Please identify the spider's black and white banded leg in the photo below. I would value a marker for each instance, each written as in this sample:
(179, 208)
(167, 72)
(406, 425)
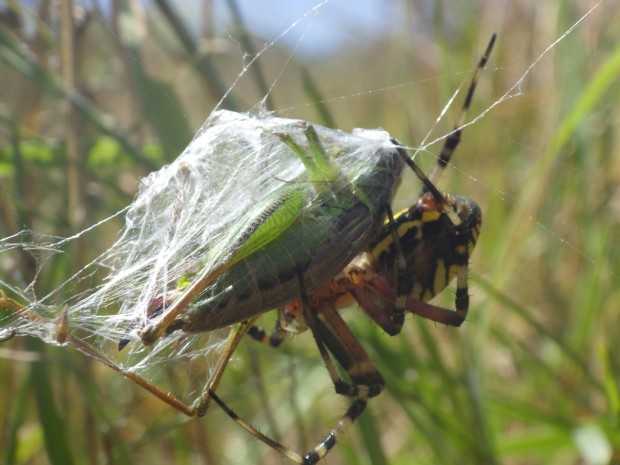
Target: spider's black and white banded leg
(331, 331)
(402, 283)
(392, 318)
(463, 240)
(454, 138)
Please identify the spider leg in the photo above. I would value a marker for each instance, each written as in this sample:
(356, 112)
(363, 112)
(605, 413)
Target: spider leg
(355, 280)
(462, 270)
(454, 138)
(397, 316)
(332, 334)
(379, 287)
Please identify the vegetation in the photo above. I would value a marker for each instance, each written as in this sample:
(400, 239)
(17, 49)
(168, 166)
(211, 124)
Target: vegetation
(533, 377)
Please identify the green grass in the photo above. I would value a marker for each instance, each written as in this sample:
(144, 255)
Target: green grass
(533, 377)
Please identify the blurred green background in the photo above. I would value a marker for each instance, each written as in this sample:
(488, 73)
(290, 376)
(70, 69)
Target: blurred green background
(533, 377)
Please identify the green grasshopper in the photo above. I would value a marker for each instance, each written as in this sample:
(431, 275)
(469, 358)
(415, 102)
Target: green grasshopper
(297, 231)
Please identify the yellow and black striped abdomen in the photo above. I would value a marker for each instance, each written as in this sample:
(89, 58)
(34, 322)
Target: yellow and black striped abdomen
(432, 245)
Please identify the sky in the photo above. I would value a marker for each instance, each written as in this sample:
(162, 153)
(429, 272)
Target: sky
(316, 31)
